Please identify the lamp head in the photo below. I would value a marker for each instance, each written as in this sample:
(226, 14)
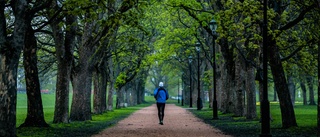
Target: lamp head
(190, 59)
(213, 25)
(198, 46)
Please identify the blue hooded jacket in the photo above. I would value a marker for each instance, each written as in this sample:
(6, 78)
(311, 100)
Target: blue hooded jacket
(162, 96)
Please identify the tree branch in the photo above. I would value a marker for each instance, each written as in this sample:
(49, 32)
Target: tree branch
(298, 19)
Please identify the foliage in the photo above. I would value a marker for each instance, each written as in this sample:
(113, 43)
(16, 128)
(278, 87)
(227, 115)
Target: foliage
(161, 34)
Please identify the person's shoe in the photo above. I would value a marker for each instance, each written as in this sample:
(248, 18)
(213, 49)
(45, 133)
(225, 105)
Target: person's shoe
(161, 123)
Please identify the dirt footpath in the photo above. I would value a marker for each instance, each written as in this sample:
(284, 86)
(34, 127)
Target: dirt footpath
(178, 122)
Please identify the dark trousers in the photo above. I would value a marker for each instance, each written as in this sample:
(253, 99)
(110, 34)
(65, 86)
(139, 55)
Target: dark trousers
(161, 107)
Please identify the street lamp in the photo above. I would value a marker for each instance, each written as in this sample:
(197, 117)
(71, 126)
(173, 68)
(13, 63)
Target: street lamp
(190, 61)
(265, 104)
(213, 26)
(182, 94)
(178, 91)
(199, 101)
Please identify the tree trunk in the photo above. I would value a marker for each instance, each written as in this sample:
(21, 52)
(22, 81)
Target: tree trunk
(225, 78)
(311, 91)
(226, 90)
(100, 87)
(110, 96)
(8, 91)
(140, 90)
(292, 89)
(275, 98)
(9, 55)
(64, 47)
(251, 93)
(82, 79)
(260, 94)
(35, 116)
(141, 86)
(134, 92)
(120, 97)
(287, 111)
(81, 100)
(304, 93)
(127, 96)
(210, 94)
(111, 84)
(239, 85)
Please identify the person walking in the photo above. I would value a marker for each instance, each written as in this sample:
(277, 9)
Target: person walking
(161, 95)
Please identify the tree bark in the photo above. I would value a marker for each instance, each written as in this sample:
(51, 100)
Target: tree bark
(111, 80)
(225, 78)
(311, 91)
(64, 47)
(10, 50)
(99, 94)
(120, 98)
(141, 86)
(140, 90)
(35, 115)
(8, 91)
(81, 100)
(110, 96)
(292, 89)
(287, 111)
(304, 93)
(275, 98)
(251, 93)
(82, 78)
(239, 85)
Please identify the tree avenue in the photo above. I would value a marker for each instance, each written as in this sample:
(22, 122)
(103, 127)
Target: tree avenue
(122, 49)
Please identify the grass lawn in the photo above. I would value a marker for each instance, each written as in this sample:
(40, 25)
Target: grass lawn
(79, 129)
(306, 117)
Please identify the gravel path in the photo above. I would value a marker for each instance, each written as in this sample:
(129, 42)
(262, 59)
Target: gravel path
(178, 122)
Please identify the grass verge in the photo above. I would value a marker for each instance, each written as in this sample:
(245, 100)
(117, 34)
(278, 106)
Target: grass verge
(78, 129)
(306, 117)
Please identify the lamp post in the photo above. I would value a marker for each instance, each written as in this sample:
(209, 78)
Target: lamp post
(318, 122)
(213, 26)
(182, 94)
(265, 106)
(190, 61)
(199, 101)
(178, 91)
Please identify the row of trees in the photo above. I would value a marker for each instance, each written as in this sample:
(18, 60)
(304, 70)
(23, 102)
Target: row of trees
(117, 44)
(82, 42)
(293, 39)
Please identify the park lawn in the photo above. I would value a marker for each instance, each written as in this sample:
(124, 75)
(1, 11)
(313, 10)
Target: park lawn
(306, 117)
(87, 128)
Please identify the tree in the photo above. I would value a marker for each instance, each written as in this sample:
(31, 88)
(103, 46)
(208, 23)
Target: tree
(100, 87)
(65, 41)
(35, 115)
(287, 111)
(94, 31)
(11, 45)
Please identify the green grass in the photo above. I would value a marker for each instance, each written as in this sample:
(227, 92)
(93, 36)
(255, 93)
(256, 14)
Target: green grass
(79, 129)
(306, 117)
